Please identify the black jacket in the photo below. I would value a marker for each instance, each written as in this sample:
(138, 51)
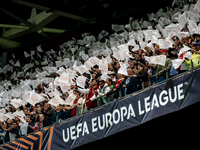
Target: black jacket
(131, 86)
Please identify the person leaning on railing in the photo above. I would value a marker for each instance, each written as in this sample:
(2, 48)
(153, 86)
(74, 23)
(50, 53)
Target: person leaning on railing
(95, 85)
(5, 131)
(128, 85)
(40, 124)
(195, 58)
(49, 113)
(110, 94)
(31, 124)
(101, 92)
(15, 130)
(142, 75)
(120, 78)
(76, 102)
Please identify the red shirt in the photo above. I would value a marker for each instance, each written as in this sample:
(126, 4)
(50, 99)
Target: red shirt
(91, 104)
(36, 126)
(118, 82)
(73, 112)
(76, 100)
(91, 92)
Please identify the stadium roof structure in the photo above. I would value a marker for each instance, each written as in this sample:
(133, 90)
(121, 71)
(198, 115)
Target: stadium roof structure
(24, 21)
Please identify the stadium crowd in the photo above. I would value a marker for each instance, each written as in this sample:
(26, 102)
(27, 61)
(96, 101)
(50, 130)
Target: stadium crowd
(56, 85)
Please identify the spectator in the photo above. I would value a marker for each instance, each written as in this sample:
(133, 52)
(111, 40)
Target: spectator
(77, 101)
(132, 64)
(128, 84)
(113, 77)
(90, 92)
(120, 79)
(17, 120)
(156, 49)
(112, 85)
(39, 125)
(194, 60)
(142, 60)
(142, 75)
(31, 125)
(162, 70)
(101, 92)
(151, 73)
(15, 129)
(6, 129)
(68, 111)
(49, 113)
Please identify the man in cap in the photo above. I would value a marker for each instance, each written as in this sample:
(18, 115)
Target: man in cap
(196, 46)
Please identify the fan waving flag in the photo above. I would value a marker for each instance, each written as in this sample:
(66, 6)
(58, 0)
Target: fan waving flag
(159, 59)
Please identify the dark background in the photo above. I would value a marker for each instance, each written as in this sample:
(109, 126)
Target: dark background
(103, 18)
(177, 130)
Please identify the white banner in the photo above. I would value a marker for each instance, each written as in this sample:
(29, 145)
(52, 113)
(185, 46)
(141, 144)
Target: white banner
(160, 59)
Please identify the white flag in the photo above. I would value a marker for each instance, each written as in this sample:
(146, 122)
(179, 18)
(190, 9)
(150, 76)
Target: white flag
(103, 66)
(2, 117)
(131, 42)
(81, 69)
(26, 54)
(136, 48)
(183, 50)
(81, 81)
(2, 111)
(159, 59)
(94, 61)
(35, 99)
(64, 87)
(148, 59)
(58, 63)
(52, 70)
(23, 128)
(123, 69)
(64, 78)
(39, 49)
(164, 44)
(108, 59)
(15, 93)
(104, 76)
(16, 103)
(182, 20)
(118, 55)
(177, 62)
(70, 99)
(56, 101)
(8, 115)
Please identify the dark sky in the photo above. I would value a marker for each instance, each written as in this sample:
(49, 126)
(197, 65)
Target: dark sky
(124, 10)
